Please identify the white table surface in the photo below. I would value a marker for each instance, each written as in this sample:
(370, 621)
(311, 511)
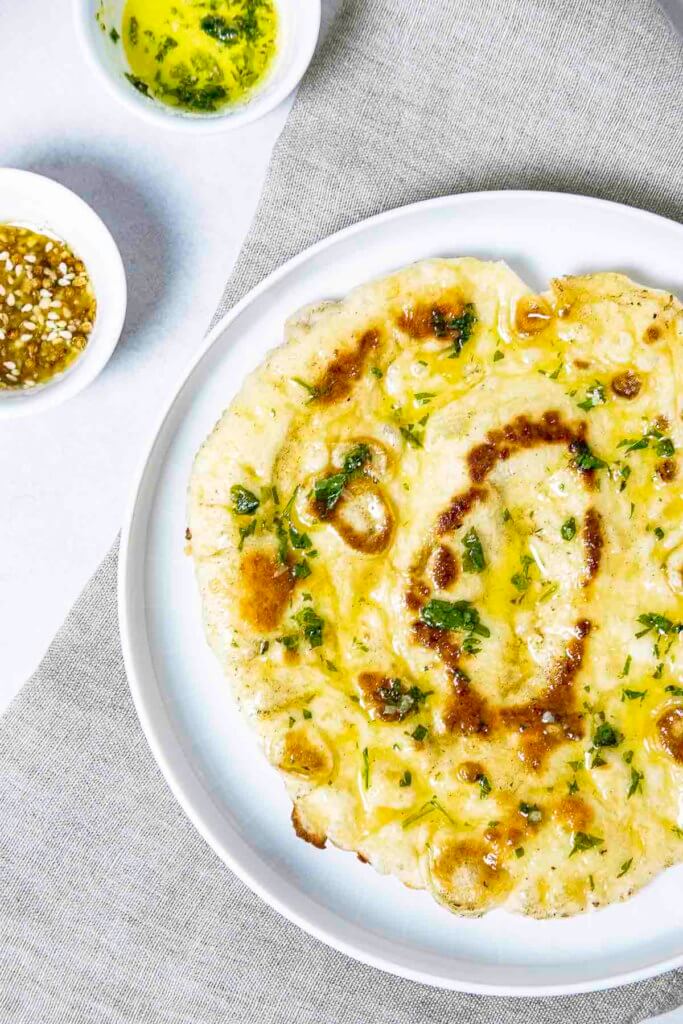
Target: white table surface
(179, 209)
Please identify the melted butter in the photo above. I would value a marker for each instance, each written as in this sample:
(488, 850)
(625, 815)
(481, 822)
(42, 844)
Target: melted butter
(199, 55)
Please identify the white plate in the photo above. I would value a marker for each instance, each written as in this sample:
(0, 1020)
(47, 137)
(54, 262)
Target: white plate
(208, 754)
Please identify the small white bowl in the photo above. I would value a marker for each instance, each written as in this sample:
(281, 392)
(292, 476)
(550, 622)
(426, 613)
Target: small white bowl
(299, 25)
(32, 201)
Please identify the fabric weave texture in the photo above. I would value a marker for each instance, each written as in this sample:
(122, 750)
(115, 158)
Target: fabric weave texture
(112, 908)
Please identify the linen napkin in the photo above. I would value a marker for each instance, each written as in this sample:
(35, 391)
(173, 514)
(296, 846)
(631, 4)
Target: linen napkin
(112, 908)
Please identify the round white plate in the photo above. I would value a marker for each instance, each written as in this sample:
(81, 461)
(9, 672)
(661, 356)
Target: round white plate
(208, 754)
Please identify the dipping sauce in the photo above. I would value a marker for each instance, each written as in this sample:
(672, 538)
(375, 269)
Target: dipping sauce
(198, 55)
(47, 307)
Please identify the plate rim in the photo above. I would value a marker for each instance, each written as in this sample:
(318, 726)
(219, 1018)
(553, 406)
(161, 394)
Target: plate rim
(135, 673)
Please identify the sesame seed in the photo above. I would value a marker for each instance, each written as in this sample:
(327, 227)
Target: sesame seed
(33, 288)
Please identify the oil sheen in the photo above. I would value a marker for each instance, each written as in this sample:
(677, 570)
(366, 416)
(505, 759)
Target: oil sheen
(199, 55)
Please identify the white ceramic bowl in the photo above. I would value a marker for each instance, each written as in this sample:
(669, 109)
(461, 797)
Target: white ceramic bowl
(30, 200)
(299, 25)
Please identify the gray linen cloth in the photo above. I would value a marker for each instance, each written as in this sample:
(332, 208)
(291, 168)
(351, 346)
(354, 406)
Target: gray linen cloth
(112, 909)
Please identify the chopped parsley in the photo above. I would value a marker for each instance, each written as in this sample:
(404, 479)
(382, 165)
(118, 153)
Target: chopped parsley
(607, 736)
(634, 695)
(244, 502)
(136, 82)
(328, 490)
(299, 540)
(595, 395)
(457, 328)
(658, 532)
(219, 28)
(584, 458)
(313, 390)
(519, 852)
(311, 626)
(636, 783)
(424, 397)
(532, 812)
(485, 786)
(356, 459)
(406, 779)
(412, 434)
(427, 808)
(626, 866)
(473, 559)
(306, 713)
(376, 372)
(419, 733)
(282, 541)
(624, 473)
(627, 667)
(568, 529)
(663, 446)
(634, 444)
(399, 701)
(290, 641)
(460, 615)
(167, 45)
(675, 691)
(584, 841)
(366, 768)
(660, 623)
(246, 531)
(522, 580)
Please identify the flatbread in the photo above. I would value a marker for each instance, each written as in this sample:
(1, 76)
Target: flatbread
(439, 548)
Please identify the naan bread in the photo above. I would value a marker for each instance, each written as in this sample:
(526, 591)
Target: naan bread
(439, 546)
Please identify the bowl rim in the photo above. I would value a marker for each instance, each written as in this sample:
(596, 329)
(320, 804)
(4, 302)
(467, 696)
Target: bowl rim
(230, 118)
(15, 404)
